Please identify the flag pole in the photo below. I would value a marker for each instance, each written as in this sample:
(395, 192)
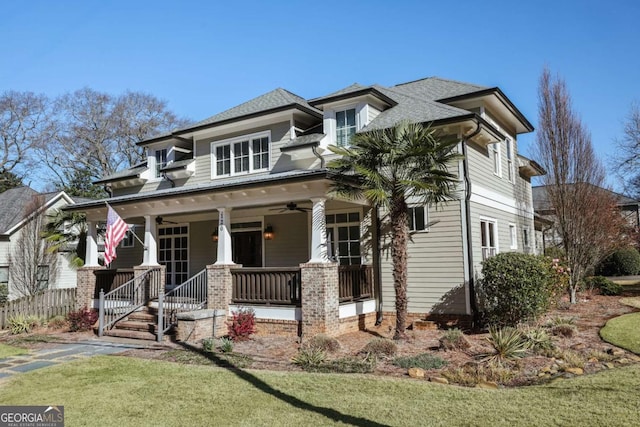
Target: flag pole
(130, 229)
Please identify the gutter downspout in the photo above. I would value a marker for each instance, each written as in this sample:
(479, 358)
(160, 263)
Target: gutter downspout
(467, 201)
(166, 176)
(107, 189)
(377, 279)
(314, 149)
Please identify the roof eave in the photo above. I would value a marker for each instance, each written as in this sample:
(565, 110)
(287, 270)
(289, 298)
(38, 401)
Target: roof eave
(366, 91)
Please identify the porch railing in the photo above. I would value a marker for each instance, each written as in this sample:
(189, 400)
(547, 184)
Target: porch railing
(107, 280)
(190, 295)
(355, 282)
(127, 298)
(278, 286)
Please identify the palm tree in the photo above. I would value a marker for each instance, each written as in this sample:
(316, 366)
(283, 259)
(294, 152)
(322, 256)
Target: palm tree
(388, 168)
(67, 231)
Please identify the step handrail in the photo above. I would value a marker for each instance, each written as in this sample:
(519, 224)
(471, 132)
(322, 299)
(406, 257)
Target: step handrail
(188, 296)
(127, 298)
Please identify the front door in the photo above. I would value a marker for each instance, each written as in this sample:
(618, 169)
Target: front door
(247, 248)
(173, 253)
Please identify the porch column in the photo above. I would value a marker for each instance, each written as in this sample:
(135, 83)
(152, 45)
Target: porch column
(219, 295)
(224, 237)
(320, 299)
(91, 255)
(150, 241)
(318, 232)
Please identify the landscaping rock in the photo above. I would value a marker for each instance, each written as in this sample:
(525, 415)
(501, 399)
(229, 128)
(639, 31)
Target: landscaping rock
(579, 346)
(574, 371)
(616, 352)
(416, 372)
(439, 380)
(593, 360)
(489, 385)
(624, 361)
(424, 325)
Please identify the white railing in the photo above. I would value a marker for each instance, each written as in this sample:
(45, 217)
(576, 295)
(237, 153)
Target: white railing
(190, 295)
(127, 298)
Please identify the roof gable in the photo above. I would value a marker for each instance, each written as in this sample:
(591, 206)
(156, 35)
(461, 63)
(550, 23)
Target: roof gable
(15, 202)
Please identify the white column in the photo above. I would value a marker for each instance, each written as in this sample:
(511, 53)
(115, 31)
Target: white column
(91, 256)
(224, 237)
(150, 241)
(318, 232)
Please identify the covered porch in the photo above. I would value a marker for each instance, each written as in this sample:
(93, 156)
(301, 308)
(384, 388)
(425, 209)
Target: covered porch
(297, 257)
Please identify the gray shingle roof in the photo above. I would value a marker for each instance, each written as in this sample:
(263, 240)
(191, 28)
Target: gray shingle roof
(277, 98)
(132, 172)
(435, 88)
(541, 198)
(303, 140)
(13, 204)
(180, 164)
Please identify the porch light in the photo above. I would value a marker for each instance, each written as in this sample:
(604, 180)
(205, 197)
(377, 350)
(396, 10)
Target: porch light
(268, 233)
(214, 236)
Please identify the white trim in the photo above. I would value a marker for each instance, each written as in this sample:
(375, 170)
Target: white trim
(495, 150)
(511, 167)
(425, 208)
(230, 141)
(271, 313)
(173, 248)
(356, 308)
(498, 201)
(496, 233)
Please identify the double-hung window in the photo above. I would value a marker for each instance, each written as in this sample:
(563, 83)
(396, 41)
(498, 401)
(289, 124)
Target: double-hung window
(510, 163)
(161, 161)
(343, 237)
(345, 126)
(418, 218)
(240, 155)
(494, 153)
(42, 277)
(488, 237)
(513, 236)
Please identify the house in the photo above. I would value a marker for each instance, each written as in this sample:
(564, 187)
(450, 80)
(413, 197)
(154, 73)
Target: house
(549, 236)
(22, 214)
(240, 203)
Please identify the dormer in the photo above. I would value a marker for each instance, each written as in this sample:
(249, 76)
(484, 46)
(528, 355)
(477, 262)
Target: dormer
(347, 111)
(168, 157)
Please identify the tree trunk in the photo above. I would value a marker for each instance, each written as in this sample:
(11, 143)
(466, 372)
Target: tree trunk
(400, 234)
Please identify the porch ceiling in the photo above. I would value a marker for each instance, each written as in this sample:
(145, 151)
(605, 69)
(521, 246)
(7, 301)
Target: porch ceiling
(189, 202)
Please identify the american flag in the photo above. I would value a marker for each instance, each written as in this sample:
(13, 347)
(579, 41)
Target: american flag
(116, 230)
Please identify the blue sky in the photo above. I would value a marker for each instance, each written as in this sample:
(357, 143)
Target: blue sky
(203, 57)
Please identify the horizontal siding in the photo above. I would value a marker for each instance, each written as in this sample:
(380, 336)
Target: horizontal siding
(202, 249)
(435, 267)
(290, 246)
(130, 257)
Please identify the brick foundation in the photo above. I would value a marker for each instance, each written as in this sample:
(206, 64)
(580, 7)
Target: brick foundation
(320, 300)
(357, 323)
(197, 325)
(266, 327)
(86, 286)
(443, 321)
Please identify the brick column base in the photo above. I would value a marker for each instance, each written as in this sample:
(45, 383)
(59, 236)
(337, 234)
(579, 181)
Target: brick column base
(320, 300)
(86, 286)
(219, 294)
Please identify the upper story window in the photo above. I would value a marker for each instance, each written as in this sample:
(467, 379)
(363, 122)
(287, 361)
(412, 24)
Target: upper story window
(510, 160)
(240, 155)
(161, 161)
(418, 218)
(494, 153)
(128, 241)
(488, 237)
(345, 126)
(513, 236)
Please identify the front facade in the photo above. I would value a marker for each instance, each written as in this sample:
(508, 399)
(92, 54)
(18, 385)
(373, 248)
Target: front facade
(249, 189)
(22, 209)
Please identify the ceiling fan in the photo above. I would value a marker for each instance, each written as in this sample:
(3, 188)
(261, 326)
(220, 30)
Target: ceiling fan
(291, 206)
(160, 221)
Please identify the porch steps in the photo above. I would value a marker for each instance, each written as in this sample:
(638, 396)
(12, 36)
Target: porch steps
(140, 325)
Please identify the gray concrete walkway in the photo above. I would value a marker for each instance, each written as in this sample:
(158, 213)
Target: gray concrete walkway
(61, 353)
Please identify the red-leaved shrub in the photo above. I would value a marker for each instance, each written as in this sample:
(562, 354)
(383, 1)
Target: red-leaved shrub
(82, 320)
(243, 324)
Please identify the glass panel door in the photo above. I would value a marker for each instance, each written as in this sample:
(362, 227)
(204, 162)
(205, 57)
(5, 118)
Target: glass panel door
(173, 253)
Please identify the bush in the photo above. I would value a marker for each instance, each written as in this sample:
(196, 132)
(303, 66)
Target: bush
(324, 342)
(82, 320)
(562, 326)
(347, 365)
(424, 361)
(23, 324)
(209, 344)
(242, 325)
(508, 343)
(603, 285)
(554, 253)
(454, 339)
(226, 345)
(4, 294)
(515, 287)
(623, 262)
(309, 358)
(57, 322)
(539, 339)
(380, 347)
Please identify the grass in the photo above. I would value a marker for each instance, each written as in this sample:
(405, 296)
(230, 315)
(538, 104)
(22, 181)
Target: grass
(623, 331)
(8, 351)
(121, 391)
(631, 301)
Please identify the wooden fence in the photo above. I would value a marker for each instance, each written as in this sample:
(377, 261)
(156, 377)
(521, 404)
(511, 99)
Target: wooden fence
(50, 303)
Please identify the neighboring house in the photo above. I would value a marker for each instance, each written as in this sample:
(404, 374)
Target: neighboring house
(249, 186)
(18, 209)
(548, 234)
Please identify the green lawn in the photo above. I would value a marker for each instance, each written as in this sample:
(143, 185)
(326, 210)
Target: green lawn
(8, 351)
(121, 391)
(623, 331)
